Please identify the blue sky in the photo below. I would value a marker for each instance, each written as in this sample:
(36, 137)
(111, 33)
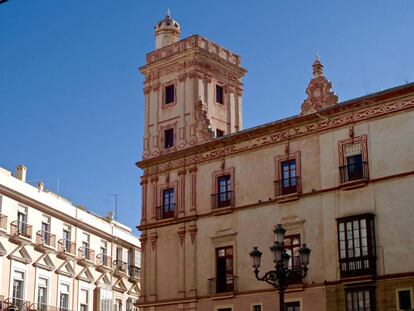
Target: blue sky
(71, 102)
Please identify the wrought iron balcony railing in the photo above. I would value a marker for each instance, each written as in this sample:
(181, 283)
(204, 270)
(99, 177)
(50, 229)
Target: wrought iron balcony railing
(86, 253)
(353, 172)
(287, 186)
(165, 211)
(104, 260)
(22, 305)
(19, 228)
(67, 246)
(222, 284)
(45, 238)
(120, 266)
(45, 307)
(3, 221)
(222, 199)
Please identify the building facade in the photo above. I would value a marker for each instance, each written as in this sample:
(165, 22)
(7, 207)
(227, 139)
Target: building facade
(338, 176)
(56, 256)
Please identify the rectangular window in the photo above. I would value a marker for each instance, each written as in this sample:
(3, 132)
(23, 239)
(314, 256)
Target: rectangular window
(224, 191)
(18, 289)
(105, 299)
(66, 239)
(22, 223)
(360, 299)
(42, 293)
(292, 246)
(224, 270)
(292, 306)
(405, 302)
(219, 133)
(356, 238)
(84, 299)
(118, 304)
(64, 297)
(168, 203)
(169, 94)
(257, 308)
(45, 229)
(169, 138)
(354, 167)
(85, 245)
(219, 94)
(289, 180)
(119, 253)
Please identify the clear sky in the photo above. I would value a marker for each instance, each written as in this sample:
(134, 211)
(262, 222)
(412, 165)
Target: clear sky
(71, 101)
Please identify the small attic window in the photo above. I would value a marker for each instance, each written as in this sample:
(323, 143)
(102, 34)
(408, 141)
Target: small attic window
(168, 23)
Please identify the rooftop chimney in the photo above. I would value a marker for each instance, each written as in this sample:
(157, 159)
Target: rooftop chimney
(40, 186)
(21, 172)
(110, 216)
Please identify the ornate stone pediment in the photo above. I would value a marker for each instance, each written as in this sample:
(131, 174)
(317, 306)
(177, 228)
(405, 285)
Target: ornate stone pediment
(320, 94)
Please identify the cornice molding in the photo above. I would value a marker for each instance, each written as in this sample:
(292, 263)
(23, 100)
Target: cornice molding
(274, 133)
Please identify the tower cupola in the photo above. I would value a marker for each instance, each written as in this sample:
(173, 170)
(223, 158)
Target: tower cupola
(167, 32)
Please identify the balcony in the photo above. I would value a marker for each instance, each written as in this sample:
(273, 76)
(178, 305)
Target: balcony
(3, 223)
(226, 285)
(86, 256)
(45, 241)
(353, 175)
(20, 232)
(287, 189)
(120, 268)
(66, 248)
(44, 307)
(16, 304)
(359, 266)
(165, 211)
(134, 274)
(222, 202)
(103, 263)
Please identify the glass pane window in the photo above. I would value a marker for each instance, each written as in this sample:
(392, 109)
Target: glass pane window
(224, 191)
(219, 94)
(18, 288)
(404, 300)
(354, 167)
(168, 202)
(224, 269)
(169, 94)
(168, 138)
(42, 291)
(360, 299)
(289, 180)
(292, 306)
(356, 245)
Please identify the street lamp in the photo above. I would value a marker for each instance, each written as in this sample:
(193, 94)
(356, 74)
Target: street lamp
(282, 275)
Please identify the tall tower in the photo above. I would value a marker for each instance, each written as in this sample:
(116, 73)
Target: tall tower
(193, 91)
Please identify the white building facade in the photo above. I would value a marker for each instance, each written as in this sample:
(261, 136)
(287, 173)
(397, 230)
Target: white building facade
(56, 256)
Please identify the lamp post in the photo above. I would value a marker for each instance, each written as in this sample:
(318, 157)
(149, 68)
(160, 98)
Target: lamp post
(282, 275)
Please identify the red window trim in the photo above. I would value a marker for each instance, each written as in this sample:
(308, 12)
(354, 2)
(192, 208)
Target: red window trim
(278, 170)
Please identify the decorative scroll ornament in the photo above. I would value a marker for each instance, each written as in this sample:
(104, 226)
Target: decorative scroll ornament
(320, 94)
(201, 115)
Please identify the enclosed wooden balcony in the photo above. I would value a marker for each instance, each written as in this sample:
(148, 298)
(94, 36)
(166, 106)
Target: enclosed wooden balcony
(20, 232)
(66, 248)
(134, 274)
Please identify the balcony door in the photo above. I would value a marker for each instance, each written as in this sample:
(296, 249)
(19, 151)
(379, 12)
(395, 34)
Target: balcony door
(168, 203)
(45, 231)
(42, 294)
(354, 167)
(224, 269)
(21, 222)
(288, 169)
(224, 191)
(18, 288)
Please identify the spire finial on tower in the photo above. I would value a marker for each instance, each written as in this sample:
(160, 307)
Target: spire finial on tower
(317, 66)
(319, 91)
(168, 14)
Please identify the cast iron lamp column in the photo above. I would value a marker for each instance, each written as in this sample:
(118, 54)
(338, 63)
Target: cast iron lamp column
(280, 277)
